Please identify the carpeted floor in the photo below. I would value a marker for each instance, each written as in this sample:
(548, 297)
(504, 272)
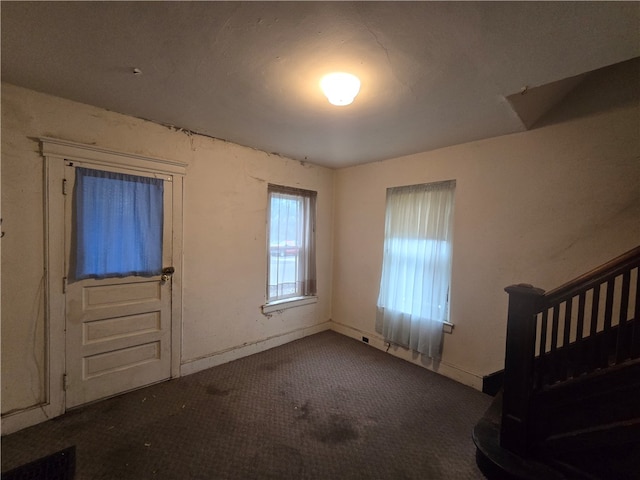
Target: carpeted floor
(324, 407)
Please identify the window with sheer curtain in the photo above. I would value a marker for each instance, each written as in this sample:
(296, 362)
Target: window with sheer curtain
(118, 224)
(413, 301)
(291, 231)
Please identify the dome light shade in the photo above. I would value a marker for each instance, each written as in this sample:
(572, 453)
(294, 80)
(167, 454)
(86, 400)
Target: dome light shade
(340, 88)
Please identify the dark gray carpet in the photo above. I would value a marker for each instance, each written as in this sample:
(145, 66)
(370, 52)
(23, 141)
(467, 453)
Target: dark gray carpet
(324, 407)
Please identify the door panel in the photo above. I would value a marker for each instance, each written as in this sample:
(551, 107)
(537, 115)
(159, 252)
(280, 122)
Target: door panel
(102, 296)
(113, 328)
(118, 330)
(122, 359)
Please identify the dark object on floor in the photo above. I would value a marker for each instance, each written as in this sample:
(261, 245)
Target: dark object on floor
(57, 466)
(492, 383)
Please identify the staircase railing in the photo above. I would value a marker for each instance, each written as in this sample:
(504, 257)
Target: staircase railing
(587, 325)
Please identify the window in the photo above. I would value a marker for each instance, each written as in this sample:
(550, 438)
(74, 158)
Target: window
(118, 224)
(291, 236)
(416, 269)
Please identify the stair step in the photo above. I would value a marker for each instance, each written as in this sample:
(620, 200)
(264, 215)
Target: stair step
(496, 462)
(614, 434)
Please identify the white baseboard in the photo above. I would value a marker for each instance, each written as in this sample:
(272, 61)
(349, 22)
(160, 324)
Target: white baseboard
(234, 353)
(28, 417)
(375, 340)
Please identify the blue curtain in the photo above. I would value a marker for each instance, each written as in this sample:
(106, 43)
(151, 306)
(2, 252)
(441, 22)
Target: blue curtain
(118, 224)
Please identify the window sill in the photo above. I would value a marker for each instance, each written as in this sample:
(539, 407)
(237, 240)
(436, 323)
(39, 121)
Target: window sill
(288, 303)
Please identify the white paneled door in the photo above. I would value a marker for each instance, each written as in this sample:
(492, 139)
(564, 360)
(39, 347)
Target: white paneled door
(118, 330)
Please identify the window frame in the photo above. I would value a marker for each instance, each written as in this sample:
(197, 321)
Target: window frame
(305, 277)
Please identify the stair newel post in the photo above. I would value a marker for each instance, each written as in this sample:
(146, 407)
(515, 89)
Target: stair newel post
(518, 369)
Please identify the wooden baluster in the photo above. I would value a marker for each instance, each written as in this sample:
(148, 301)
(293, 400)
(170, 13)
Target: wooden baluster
(580, 355)
(554, 373)
(635, 334)
(593, 330)
(542, 371)
(517, 424)
(622, 346)
(604, 346)
(566, 339)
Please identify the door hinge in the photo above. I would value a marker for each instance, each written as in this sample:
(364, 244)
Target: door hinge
(64, 186)
(65, 382)
(64, 284)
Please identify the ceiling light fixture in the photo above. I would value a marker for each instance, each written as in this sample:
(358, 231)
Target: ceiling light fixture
(340, 88)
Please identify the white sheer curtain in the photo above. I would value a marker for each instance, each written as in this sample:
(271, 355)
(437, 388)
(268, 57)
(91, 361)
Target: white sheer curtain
(416, 269)
(118, 224)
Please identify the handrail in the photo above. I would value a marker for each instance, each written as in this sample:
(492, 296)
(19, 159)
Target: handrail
(596, 276)
(566, 332)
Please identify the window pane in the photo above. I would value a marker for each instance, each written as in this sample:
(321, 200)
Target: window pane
(118, 224)
(285, 245)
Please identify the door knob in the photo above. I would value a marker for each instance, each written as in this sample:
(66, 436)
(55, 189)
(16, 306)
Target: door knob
(166, 273)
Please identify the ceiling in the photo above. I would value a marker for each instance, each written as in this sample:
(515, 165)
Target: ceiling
(433, 73)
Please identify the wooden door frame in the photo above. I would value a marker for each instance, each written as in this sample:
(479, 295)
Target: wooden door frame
(55, 153)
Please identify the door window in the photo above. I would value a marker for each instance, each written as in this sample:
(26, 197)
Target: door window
(118, 224)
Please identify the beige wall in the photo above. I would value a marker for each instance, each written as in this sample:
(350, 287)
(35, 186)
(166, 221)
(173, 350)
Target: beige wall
(224, 235)
(538, 207)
